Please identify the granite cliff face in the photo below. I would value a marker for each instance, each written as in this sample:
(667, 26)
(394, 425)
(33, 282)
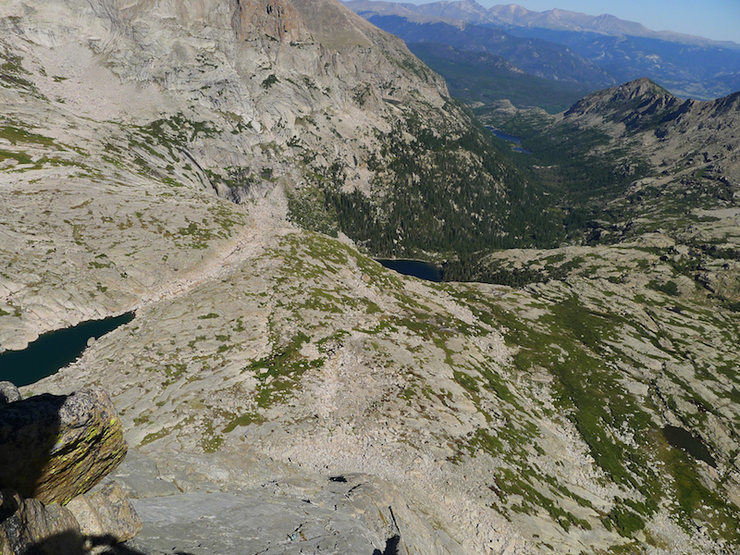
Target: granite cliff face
(212, 98)
(273, 72)
(274, 374)
(209, 96)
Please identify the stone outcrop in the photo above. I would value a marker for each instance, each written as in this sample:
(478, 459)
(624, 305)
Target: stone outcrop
(8, 393)
(276, 19)
(29, 526)
(55, 447)
(108, 512)
(209, 504)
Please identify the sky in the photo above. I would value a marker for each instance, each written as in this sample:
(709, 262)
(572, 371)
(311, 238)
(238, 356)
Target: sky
(714, 19)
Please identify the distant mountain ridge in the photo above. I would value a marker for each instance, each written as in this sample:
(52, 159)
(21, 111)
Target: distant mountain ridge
(689, 66)
(534, 56)
(555, 19)
(606, 24)
(481, 78)
(564, 19)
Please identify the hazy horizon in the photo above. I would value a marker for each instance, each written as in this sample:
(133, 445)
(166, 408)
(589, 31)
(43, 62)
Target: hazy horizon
(712, 19)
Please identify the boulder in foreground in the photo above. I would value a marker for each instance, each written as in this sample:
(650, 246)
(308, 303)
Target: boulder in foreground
(106, 513)
(29, 526)
(55, 447)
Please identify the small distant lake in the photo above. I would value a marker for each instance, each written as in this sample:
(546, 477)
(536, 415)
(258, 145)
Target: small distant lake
(416, 268)
(686, 441)
(54, 350)
(516, 146)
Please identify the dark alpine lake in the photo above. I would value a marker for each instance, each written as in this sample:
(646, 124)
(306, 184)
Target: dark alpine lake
(54, 350)
(416, 268)
(510, 138)
(685, 440)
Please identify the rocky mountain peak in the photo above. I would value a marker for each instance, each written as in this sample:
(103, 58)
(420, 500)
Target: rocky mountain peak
(641, 87)
(468, 5)
(466, 10)
(511, 10)
(728, 104)
(641, 97)
(665, 127)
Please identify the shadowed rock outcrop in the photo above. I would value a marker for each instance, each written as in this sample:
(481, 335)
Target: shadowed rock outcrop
(29, 526)
(54, 447)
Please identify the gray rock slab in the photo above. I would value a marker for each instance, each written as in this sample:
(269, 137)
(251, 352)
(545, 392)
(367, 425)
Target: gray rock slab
(139, 477)
(214, 523)
(28, 526)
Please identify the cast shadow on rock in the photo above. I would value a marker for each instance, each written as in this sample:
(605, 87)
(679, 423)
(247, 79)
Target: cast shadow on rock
(391, 546)
(53, 448)
(72, 543)
(29, 429)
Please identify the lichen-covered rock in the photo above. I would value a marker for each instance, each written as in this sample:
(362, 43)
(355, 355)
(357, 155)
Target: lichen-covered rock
(56, 447)
(8, 393)
(108, 512)
(29, 526)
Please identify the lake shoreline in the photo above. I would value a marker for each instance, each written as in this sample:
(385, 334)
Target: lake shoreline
(421, 269)
(56, 349)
